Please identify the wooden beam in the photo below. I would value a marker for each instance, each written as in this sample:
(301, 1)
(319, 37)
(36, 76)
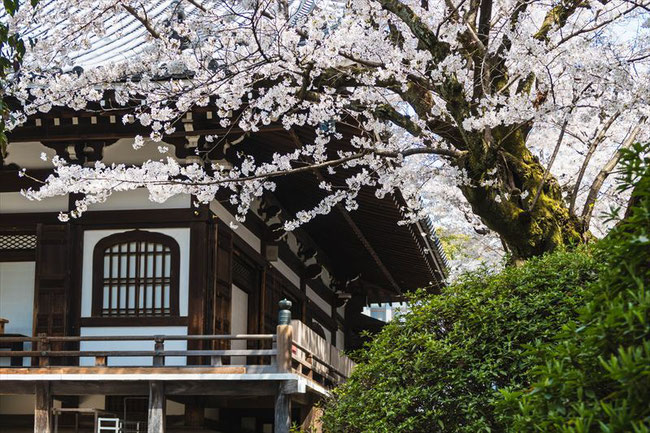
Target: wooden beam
(362, 238)
(355, 228)
(106, 131)
(99, 388)
(225, 388)
(43, 408)
(282, 419)
(156, 414)
(194, 412)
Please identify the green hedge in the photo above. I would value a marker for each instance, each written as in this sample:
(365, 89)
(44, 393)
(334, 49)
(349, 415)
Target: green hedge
(596, 376)
(439, 369)
(561, 344)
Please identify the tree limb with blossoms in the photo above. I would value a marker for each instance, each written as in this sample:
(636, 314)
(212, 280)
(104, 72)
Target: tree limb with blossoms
(521, 107)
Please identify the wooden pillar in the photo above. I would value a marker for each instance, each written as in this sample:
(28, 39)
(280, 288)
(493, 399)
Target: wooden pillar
(312, 419)
(43, 408)
(282, 422)
(284, 343)
(284, 335)
(284, 347)
(156, 415)
(194, 412)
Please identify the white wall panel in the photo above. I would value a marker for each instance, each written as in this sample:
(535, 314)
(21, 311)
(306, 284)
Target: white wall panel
(17, 300)
(340, 339)
(322, 303)
(15, 202)
(28, 155)
(222, 213)
(287, 272)
(238, 321)
(139, 199)
(122, 152)
(17, 296)
(133, 345)
(91, 237)
(92, 401)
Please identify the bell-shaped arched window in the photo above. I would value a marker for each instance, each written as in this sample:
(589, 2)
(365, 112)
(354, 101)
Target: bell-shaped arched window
(135, 274)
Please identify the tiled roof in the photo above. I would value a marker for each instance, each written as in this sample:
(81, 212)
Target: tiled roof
(127, 38)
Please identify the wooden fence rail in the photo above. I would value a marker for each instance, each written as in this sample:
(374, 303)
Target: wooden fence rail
(43, 351)
(295, 349)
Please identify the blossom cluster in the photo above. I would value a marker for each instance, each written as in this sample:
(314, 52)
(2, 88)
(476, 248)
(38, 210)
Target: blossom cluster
(317, 64)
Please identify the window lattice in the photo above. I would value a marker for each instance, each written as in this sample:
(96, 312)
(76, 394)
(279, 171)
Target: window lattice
(243, 274)
(17, 242)
(138, 277)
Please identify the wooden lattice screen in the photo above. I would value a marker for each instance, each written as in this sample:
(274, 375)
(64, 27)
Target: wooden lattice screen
(136, 275)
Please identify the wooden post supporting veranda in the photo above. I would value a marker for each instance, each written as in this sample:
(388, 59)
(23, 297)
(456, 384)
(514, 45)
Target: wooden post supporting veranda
(43, 408)
(284, 345)
(156, 414)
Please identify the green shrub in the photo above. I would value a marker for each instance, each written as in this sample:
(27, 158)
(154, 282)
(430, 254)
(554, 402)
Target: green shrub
(596, 376)
(439, 369)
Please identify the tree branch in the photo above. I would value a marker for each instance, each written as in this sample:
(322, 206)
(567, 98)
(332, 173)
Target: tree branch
(306, 168)
(590, 152)
(145, 22)
(607, 169)
(558, 16)
(550, 163)
(438, 49)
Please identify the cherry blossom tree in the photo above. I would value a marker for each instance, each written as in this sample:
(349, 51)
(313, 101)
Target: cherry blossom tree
(515, 111)
(12, 48)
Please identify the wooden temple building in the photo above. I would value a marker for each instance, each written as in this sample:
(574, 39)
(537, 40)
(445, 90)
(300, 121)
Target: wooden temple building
(152, 317)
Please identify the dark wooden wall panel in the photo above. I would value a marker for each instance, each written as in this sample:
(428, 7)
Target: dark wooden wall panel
(198, 281)
(52, 282)
(223, 282)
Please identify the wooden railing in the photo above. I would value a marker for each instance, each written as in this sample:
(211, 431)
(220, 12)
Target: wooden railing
(45, 354)
(294, 348)
(315, 358)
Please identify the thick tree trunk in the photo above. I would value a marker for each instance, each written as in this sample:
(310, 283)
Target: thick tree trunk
(528, 227)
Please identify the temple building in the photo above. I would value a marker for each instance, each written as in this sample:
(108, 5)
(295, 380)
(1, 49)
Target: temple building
(141, 316)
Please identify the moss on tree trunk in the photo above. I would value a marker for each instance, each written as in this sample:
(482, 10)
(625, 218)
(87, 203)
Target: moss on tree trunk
(528, 228)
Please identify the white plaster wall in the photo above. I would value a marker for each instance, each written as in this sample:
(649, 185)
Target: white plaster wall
(341, 311)
(17, 296)
(322, 303)
(92, 401)
(28, 155)
(222, 213)
(174, 408)
(15, 202)
(16, 404)
(122, 152)
(139, 199)
(17, 300)
(238, 321)
(21, 404)
(340, 339)
(287, 272)
(91, 237)
(133, 345)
